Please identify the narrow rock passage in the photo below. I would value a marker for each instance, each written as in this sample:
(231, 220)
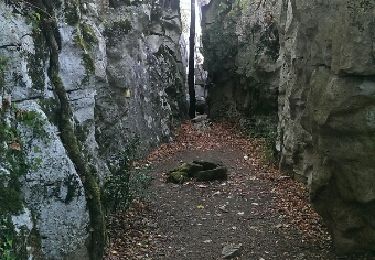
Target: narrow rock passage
(200, 219)
(258, 210)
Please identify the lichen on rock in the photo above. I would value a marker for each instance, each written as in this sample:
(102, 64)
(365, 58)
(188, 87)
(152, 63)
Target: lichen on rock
(325, 109)
(240, 48)
(321, 77)
(66, 101)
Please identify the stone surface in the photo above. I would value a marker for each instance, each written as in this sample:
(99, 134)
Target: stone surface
(120, 66)
(240, 50)
(326, 108)
(199, 170)
(231, 251)
(323, 83)
(52, 190)
(145, 95)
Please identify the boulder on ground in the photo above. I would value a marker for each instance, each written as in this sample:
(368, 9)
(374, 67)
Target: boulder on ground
(200, 170)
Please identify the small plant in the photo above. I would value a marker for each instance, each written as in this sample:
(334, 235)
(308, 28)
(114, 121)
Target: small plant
(139, 181)
(126, 182)
(263, 127)
(7, 251)
(12, 245)
(88, 33)
(271, 153)
(34, 121)
(116, 193)
(3, 64)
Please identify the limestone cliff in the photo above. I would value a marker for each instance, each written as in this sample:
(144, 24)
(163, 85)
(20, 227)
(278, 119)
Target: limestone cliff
(326, 112)
(323, 84)
(79, 81)
(240, 49)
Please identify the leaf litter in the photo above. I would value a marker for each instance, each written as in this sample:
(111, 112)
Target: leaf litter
(152, 229)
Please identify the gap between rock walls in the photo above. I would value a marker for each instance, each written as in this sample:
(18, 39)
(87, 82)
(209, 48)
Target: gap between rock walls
(90, 89)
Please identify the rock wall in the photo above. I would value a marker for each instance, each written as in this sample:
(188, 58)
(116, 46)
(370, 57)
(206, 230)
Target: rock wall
(78, 83)
(323, 83)
(326, 110)
(240, 50)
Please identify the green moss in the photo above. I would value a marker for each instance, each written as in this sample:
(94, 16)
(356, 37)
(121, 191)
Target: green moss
(89, 63)
(79, 41)
(7, 134)
(88, 33)
(3, 63)
(85, 37)
(90, 182)
(81, 37)
(34, 121)
(71, 12)
(82, 131)
(10, 199)
(3, 66)
(36, 164)
(36, 61)
(12, 244)
(14, 163)
(7, 236)
(49, 107)
(178, 177)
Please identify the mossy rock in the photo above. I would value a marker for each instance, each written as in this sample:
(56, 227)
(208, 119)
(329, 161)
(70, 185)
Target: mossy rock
(200, 170)
(178, 177)
(190, 168)
(217, 174)
(206, 165)
(184, 172)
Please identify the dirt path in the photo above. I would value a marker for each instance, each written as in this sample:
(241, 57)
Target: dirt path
(200, 219)
(258, 209)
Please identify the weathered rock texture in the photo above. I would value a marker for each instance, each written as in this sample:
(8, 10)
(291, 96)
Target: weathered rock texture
(327, 108)
(240, 51)
(326, 97)
(79, 81)
(200, 171)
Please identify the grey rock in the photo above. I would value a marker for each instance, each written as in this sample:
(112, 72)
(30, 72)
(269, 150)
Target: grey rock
(123, 83)
(325, 108)
(231, 251)
(61, 222)
(199, 119)
(240, 59)
(199, 170)
(323, 84)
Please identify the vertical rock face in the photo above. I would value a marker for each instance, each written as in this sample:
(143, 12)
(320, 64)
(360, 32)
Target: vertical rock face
(327, 102)
(145, 93)
(326, 96)
(78, 82)
(240, 48)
